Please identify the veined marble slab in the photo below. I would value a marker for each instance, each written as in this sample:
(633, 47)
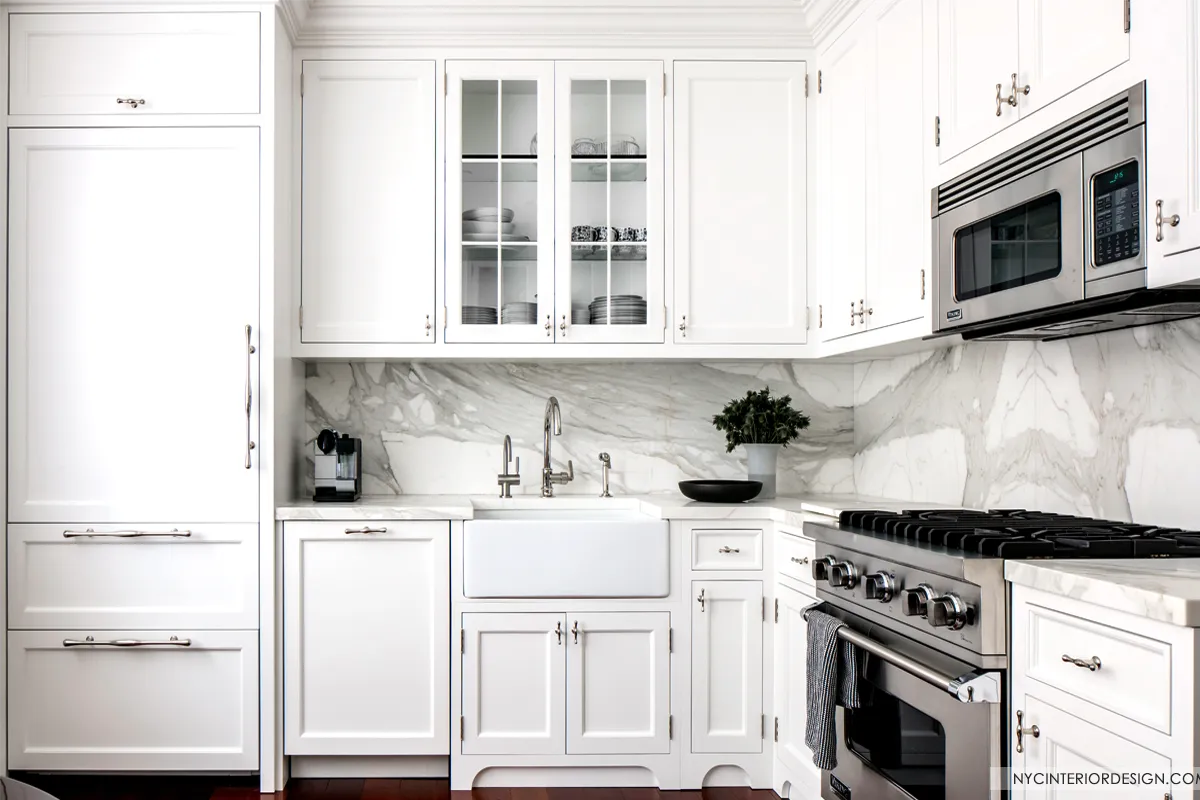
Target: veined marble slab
(1167, 590)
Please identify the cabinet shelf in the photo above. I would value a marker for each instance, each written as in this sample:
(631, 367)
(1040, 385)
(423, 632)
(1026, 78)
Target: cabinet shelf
(484, 252)
(598, 252)
(598, 170)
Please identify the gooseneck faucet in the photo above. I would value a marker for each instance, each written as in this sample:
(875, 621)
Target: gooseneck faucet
(552, 423)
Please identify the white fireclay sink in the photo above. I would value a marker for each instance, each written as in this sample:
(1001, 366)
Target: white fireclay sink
(558, 552)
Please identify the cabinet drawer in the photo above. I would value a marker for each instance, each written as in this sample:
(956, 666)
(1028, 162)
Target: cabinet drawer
(727, 548)
(143, 576)
(205, 63)
(793, 557)
(153, 707)
(1134, 676)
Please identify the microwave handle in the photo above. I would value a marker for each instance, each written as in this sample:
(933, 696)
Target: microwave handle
(973, 687)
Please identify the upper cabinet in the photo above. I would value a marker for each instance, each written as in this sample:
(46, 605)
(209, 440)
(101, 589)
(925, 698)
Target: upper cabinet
(160, 63)
(1004, 59)
(554, 201)
(368, 196)
(740, 211)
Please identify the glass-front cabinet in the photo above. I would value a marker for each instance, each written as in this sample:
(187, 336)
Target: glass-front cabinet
(554, 202)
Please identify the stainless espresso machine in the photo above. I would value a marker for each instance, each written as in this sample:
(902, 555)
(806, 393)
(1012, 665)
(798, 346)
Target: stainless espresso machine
(338, 467)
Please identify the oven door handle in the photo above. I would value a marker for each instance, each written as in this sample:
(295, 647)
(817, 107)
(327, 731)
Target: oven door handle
(971, 687)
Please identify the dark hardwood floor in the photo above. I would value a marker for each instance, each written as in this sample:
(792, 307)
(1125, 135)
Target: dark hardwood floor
(151, 788)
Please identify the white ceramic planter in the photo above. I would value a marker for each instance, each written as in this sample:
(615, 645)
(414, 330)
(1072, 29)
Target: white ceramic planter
(761, 465)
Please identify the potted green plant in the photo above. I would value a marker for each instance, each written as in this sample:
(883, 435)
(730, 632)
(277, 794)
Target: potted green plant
(763, 425)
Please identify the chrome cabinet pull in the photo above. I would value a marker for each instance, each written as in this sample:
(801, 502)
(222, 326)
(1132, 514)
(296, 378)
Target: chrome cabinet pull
(1012, 97)
(801, 561)
(1159, 219)
(1091, 664)
(174, 533)
(549, 326)
(999, 99)
(250, 350)
(562, 326)
(575, 631)
(728, 549)
(131, 102)
(851, 313)
(558, 632)
(1032, 730)
(428, 326)
(366, 530)
(683, 326)
(174, 641)
(700, 600)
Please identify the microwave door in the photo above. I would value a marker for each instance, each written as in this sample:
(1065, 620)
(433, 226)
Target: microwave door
(1016, 249)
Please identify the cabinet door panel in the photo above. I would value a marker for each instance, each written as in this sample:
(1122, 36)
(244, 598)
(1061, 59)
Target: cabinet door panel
(977, 49)
(368, 252)
(367, 647)
(513, 684)
(618, 683)
(740, 210)
(133, 275)
(791, 647)
(1066, 43)
(727, 667)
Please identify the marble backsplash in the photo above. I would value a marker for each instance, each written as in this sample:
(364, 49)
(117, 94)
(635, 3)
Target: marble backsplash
(434, 428)
(1105, 425)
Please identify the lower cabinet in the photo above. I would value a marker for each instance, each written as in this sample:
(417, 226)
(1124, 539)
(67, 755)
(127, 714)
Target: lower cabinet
(791, 651)
(125, 700)
(727, 667)
(366, 638)
(554, 684)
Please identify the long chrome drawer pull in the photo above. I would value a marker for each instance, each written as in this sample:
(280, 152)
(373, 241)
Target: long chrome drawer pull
(800, 561)
(250, 350)
(1092, 663)
(366, 530)
(174, 641)
(973, 687)
(728, 549)
(174, 533)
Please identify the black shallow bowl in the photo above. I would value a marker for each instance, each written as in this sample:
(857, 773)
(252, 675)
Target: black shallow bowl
(720, 491)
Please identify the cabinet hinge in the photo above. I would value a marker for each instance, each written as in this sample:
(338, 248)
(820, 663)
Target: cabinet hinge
(807, 317)
(821, 316)
(302, 71)
(777, 609)
(764, 609)
(666, 319)
(937, 131)
(670, 726)
(777, 729)
(664, 84)
(762, 729)
(922, 284)
(820, 82)
(445, 85)
(1127, 16)
(462, 728)
(806, 84)
(445, 317)
(462, 641)
(670, 640)
(301, 317)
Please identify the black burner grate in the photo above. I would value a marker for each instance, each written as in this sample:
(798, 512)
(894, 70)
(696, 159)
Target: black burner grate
(1014, 533)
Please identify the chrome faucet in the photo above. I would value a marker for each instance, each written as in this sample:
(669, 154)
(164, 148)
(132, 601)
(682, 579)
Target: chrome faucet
(549, 476)
(605, 466)
(506, 480)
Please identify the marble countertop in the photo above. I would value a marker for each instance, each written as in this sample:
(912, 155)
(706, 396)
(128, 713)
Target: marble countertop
(1162, 589)
(785, 510)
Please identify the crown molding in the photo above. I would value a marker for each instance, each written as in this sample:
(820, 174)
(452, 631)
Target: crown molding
(823, 16)
(294, 13)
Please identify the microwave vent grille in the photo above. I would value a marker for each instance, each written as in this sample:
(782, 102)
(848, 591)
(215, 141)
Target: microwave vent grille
(1112, 117)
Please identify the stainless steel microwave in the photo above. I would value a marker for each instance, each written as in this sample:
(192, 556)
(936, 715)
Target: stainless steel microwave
(1049, 239)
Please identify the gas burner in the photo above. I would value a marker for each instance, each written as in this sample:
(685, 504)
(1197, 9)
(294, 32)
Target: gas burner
(1017, 533)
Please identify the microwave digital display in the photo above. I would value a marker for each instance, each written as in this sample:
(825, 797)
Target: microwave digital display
(1117, 211)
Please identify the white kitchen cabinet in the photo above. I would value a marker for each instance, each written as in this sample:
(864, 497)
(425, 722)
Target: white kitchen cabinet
(977, 49)
(368, 225)
(727, 667)
(178, 700)
(791, 648)
(513, 684)
(366, 638)
(135, 64)
(740, 202)
(619, 683)
(618, 106)
(133, 261)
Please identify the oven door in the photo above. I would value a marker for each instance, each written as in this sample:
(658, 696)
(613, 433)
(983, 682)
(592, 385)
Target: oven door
(1016, 249)
(912, 738)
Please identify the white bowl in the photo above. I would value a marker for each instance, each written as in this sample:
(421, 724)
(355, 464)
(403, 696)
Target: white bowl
(488, 214)
(474, 226)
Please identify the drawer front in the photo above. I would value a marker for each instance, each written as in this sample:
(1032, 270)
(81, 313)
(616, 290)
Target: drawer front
(1134, 675)
(727, 548)
(205, 63)
(143, 576)
(157, 707)
(793, 557)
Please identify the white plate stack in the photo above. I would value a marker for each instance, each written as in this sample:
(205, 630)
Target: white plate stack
(488, 225)
(478, 315)
(625, 309)
(518, 313)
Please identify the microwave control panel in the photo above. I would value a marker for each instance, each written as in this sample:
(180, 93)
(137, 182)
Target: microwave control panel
(1117, 214)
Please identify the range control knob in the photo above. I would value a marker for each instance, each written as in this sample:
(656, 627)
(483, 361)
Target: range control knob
(880, 586)
(844, 575)
(820, 567)
(948, 611)
(916, 600)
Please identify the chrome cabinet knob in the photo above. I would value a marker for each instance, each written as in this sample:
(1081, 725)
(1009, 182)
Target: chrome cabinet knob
(880, 586)
(1022, 732)
(843, 575)
(820, 568)
(1160, 220)
(916, 601)
(948, 611)
(683, 326)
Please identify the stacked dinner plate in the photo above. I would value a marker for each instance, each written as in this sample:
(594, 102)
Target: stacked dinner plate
(478, 315)
(518, 314)
(580, 314)
(625, 309)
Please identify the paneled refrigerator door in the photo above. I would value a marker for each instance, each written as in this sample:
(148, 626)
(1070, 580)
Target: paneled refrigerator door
(499, 201)
(610, 233)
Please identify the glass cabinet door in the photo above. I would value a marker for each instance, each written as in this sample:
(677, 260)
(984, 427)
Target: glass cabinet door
(609, 178)
(499, 201)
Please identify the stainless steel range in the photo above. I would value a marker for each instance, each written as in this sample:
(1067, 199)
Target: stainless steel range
(924, 592)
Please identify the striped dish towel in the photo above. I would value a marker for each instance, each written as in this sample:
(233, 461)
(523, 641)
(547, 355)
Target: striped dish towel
(832, 680)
